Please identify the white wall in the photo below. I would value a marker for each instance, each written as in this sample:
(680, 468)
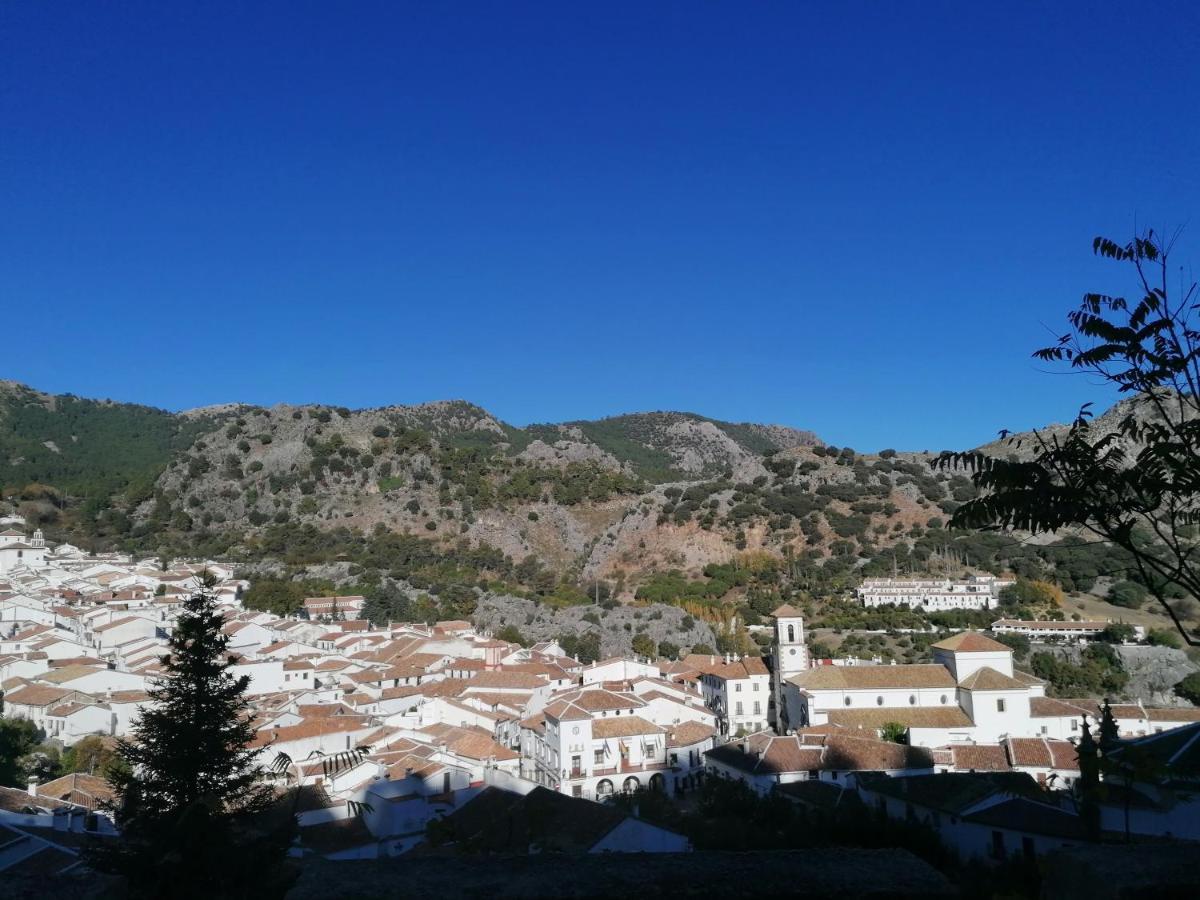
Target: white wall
(636, 836)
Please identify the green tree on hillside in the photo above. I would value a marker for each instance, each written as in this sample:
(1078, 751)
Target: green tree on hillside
(1189, 688)
(18, 737)
(644, 645)
(1134, 484)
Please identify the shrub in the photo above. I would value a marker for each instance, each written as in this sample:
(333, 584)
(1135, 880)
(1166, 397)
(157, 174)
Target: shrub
(1128, 594)
(1163, 637)
(1189, 688)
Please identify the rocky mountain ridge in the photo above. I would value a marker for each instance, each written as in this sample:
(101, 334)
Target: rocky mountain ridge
(615, 499)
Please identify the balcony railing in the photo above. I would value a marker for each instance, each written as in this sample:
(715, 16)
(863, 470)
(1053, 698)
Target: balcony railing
(628, 769)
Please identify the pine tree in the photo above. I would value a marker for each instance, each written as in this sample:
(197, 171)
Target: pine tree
(192, 809)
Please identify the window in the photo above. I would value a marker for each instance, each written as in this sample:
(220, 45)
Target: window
(791, 634)
(755, 686)
(998, 845)
(943, 699)
(599, 757)
(1000, 705)
(879, 701)
(847, 701)
(737, 687)
(738, 709)
(757, 708)
(1074, 724)
(912, 699)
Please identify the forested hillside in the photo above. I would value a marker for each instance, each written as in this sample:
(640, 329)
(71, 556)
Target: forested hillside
(87, 450)
(725, 520)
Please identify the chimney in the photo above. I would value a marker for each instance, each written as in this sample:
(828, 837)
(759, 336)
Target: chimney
(33, 786)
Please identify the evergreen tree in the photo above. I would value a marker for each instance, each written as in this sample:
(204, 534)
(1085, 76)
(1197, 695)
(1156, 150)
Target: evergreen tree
(190, 804)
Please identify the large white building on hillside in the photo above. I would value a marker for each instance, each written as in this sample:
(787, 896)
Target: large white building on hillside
(934, 595)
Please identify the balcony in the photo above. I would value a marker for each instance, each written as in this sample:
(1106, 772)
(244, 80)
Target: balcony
(627, 769)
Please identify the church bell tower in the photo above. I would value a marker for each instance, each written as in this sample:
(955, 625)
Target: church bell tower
(790, 657)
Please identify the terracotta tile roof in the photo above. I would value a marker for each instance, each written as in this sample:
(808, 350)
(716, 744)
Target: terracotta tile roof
(766, 753)
(1176, 714)
(310, 728)
(36, 695)
(909, 716)
(337, 836)
(507, 681)
(971, 642)
(478, 745)
(128, 697)
(1050, 708)
(88, 661)
(1031, 753)
(980, 757)
(1125, 711)
(1032, 817)
(78, 789)
(849, 678)
(69, 709)
(950, 792)
(988, 679)
(496, 698)
(786, 610)
(598, 699)
(733, 670)
(446, 687)
(623, 726)
(687, 733)
(564, 711)
(123, 621)
(322, 710)
(843, 752)
(497, 821)
(496, 716)
(1063, 755)
(1026, 678)
(15, 800)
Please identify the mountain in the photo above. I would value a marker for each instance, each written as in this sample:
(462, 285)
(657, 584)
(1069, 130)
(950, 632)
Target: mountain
(445, 493)
(89, 448)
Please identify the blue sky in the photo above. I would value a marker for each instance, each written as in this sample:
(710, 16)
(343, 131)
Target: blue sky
(859, 220)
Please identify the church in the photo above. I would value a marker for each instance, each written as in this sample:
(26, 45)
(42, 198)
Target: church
(16, 550)
(971, 692)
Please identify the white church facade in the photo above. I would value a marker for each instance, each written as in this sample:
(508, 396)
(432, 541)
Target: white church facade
(970, 693)
(17, 550)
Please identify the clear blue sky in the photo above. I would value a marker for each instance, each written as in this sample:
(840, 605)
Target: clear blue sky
(858, 219)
